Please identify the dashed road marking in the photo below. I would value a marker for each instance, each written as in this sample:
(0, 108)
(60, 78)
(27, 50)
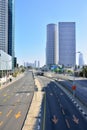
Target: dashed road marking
(63, 112)
(9, 112)
(80, 108)
(16, 94)
(77, 105)
(39, 114)
(60, 105)
(39, 120)
(68, 125)
(83, 113)
(72, 99)
(28, 94)
(38, 127)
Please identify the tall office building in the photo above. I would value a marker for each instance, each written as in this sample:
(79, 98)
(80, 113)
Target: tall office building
(67, 44)
(81, 61)
(11, 27)
(7, 27)
(4, 25)
(52, 45)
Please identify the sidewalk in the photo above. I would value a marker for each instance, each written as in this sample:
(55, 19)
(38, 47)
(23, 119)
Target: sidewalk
(5, 84)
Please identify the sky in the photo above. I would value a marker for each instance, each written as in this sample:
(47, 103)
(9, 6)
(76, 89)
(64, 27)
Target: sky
(31, 19)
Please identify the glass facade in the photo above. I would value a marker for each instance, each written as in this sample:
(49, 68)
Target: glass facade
(7, 27)
(67, 43)
(4, 25)
(11, 27)
(52, 45)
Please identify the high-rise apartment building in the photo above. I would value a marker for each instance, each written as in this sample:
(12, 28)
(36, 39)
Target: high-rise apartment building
(67, 43)
(52, 45)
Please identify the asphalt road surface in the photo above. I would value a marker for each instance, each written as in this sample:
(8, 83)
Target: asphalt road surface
(81, 90)
(59, 112)
(15, 101)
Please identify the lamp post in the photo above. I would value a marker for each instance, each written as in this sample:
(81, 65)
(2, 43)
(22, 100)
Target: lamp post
(74, 86)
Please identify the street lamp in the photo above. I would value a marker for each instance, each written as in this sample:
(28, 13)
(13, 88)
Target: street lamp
(74, 86)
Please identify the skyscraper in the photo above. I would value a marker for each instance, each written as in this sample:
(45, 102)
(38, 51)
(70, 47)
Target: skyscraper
(52, 45)
(67, 44)
(81, 61)
(4, 25)
(11, 27)
(7, 27)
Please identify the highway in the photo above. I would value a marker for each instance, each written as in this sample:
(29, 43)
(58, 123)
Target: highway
(15, 100)
(67, 82)
(81, 91)
(59, 110)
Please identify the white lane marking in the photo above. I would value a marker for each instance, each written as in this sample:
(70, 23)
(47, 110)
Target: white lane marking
(28, 94)
(39, 120)
(16, 94)
(83, 113)
(72, 99)
(77, 105)
(39, 114)
(80, 108)
(38, 127)
(74, 102)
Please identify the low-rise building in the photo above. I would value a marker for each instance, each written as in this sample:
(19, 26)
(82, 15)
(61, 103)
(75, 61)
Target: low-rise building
(5, 61)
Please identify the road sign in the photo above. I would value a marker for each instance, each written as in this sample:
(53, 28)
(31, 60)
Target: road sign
(73, 87)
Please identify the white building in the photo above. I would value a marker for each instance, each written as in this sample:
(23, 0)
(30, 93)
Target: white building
(67, 43)
(52, 45)
(5, 61)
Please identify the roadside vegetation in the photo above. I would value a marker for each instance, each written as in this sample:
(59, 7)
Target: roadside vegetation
(83, 73)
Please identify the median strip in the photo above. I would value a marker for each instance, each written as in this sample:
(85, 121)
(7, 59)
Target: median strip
(31, 122)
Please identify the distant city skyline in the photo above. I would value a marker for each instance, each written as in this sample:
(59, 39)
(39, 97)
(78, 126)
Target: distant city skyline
(31, 18)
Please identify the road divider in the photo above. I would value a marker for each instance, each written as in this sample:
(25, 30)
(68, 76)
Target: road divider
(33, 120)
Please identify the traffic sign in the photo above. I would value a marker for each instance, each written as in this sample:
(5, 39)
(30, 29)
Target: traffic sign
(73, 87)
